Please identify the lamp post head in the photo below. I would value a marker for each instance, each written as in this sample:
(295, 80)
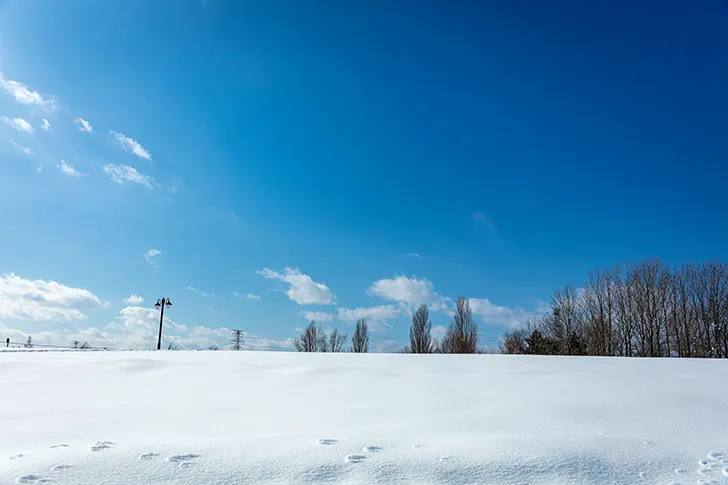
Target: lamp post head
(157, 305)
(169, 303)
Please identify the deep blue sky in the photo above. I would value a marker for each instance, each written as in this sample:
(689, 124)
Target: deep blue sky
(513, 148)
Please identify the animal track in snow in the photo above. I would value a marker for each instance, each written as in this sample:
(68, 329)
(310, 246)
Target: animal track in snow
(371, 449)
(30, 478)
(325, 442)
(148, 456)
(354, 458)
(102, 445)
(181, 458)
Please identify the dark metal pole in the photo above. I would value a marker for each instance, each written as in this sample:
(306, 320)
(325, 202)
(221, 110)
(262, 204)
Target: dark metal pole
(161, 319)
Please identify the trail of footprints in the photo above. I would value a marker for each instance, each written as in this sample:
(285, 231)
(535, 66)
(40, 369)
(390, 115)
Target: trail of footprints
(181, 460)
(712, 470)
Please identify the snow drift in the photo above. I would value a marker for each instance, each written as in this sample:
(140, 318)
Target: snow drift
(248, 417)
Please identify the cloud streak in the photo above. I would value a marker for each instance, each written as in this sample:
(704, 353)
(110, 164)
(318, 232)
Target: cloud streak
(84, 125)
(130, 145)
(124, 173)
(19, 124)
(23, 94)
(149, 255)
(67, 169)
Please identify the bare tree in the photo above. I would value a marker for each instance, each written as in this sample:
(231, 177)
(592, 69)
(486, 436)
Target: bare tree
(76, 344)
(514, 342)
(360, 339)
(84, 346)
(312, 339)
(336, 341)
(236, 343)
(462, 336)
(420, 332)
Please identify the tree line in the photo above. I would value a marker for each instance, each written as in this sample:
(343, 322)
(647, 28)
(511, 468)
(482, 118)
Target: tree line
(648, 309)
(461, 337)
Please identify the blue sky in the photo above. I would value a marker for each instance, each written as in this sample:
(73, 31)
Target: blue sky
(386, 154)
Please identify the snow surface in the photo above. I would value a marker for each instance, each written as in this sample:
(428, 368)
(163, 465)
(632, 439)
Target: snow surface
(248, 417)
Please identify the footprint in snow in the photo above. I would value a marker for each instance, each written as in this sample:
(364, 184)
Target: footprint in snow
(703, 462)
(181, 458)
(57, 468)
(325, 442)
(354, 458)
(16, 456)
(59, 445)
(680, 471)
(371, 449)
(715, 455)
(102, 445)
(30, 478)
(148, 456)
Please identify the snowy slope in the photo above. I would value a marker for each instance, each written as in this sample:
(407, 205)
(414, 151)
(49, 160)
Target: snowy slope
(229, 418)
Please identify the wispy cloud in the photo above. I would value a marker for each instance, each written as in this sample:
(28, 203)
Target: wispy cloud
(199, 292)
(125, 173)
(84, 125)
(317, 316)
(67, 169)
(46, 125)
(484, 221)
(151, 254)
(23, 94)
(302, 288)
(130, 145)
(249, 296)
(19, 124)
(134, 299)
(17, 146)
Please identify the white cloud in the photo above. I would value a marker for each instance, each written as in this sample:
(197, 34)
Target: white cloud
(46, 124)
(151, 254)
(125, 173)
(67, 169)
(412, 291)
(43, 300)
(438, 332)
(130, 145)
(22, 93)
(15, 145)
(376, 316)
(302, 289)
(134, 299)
(499, 315)
(84, 125)
(414, 255)
(19, 124)
(317, 316)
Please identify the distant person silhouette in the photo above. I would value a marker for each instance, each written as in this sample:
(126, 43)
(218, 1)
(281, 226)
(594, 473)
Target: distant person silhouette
(7, 342)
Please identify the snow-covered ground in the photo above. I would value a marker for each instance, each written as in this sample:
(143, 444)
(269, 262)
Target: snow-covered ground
(246, 417)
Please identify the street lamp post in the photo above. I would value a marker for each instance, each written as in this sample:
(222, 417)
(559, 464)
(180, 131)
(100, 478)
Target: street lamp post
(161, 304)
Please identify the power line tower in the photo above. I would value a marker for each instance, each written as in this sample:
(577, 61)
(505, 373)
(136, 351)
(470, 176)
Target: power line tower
(236, 343)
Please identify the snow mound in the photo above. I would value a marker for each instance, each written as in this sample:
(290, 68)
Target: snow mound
(252, 418)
